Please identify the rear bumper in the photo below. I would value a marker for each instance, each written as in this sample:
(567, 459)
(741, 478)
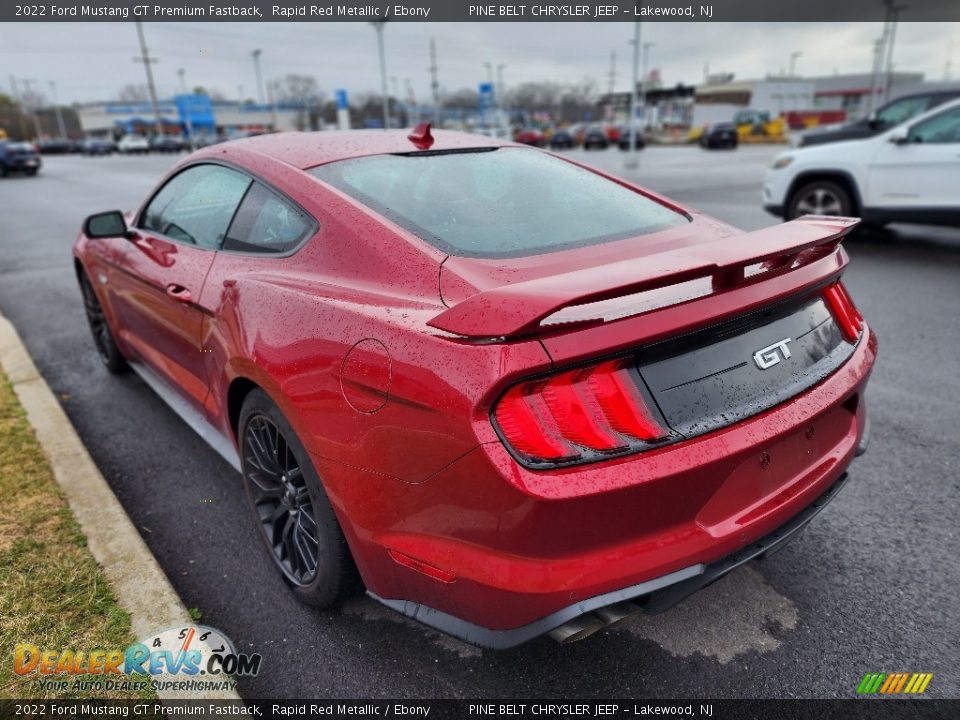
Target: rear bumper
(529, 549)
(657, 595)
(18, 164)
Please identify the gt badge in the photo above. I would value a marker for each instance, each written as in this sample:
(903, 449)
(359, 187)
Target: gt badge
(769, 356)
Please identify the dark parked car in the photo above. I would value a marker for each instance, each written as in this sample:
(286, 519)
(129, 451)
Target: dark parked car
(628, 134)
(18, 157)
(893, 113)
(595, 138)
(719, 135)
(98, 146)
(167, 144)
(57, 146)
(561, 140)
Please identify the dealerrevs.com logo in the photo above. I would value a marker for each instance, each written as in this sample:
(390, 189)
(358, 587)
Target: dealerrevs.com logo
(899, 683)
(191, 658)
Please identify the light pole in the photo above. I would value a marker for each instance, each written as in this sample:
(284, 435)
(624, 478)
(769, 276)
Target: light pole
(56, 108)
(256, 66)
(643, 81)
(878, 46)
(894, 16)
(793, 62)
(631, 160)
(19, 101)
(378, 26)
(147, 62)
(27, 82)
(187, 105)
(434, 83)
(499, 92)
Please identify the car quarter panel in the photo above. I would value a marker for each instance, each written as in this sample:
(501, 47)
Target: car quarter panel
(335, 333)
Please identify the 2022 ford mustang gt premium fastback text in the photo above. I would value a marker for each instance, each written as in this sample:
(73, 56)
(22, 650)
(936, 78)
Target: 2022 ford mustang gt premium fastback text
(507, 394)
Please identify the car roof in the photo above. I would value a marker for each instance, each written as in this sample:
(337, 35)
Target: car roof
(934, 94)
(308, 149)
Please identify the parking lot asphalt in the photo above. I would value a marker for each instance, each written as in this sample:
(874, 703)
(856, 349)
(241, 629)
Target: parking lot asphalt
(871, 586)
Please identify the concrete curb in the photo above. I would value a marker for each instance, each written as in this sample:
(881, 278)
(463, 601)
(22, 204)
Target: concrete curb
(137, 581)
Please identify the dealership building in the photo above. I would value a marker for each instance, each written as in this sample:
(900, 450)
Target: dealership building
(849, 93)
(182, 112)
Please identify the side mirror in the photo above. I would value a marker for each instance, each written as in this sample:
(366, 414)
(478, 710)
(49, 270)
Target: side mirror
(106, 225)
(900, 138)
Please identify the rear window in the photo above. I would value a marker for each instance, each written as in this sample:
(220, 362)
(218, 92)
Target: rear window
(505, 202)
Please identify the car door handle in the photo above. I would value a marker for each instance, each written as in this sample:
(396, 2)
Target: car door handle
(180, 293)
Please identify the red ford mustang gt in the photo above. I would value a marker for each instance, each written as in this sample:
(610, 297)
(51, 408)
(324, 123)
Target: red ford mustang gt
(507, 393)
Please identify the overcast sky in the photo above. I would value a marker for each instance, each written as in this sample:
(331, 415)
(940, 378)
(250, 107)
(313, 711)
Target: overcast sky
(92, 61)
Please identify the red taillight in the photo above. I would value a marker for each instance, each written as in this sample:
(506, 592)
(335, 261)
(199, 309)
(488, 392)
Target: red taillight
(528, 430)
(621, 403)
(585, 411)
(844, 311)
(568, 399)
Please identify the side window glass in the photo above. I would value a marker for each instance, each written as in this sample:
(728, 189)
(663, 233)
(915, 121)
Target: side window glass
(266, 223)
(902, 111)
(942, 128)
(196, 206)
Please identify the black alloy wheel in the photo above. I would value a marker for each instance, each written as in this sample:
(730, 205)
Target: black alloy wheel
(103, 340)
(281, 500)
(296, 520)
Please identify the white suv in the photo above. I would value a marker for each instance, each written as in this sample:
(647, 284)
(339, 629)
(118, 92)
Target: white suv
(910, 173)
(133, 144)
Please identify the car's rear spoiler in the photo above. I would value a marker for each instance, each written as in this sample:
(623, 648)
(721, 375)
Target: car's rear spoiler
(519, 308)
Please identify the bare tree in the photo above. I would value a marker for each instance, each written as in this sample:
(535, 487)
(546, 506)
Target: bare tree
(133, 93)
(30, 99)
(212, 93)
(461, 100)
(303, 92)
(569, 102)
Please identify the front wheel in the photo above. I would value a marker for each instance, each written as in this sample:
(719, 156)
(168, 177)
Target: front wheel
(106, 346)
(291, 509)
(820, 197)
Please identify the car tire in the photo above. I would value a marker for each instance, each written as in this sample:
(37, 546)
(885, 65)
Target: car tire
(113, 360)
(820, 197)
(291, 508)
(31, 172)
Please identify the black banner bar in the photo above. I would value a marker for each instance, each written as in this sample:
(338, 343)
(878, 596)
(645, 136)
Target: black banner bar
(852, 709)
(475, 11)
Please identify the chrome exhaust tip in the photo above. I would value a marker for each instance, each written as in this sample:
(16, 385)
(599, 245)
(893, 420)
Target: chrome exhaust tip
(577, 629)
(617, 613)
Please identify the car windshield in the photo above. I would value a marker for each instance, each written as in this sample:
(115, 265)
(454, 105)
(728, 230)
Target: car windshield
(505, 202)
(20, 147)
(902, 110)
